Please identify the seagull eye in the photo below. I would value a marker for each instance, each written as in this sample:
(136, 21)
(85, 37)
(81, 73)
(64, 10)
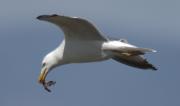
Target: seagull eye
(43, 64)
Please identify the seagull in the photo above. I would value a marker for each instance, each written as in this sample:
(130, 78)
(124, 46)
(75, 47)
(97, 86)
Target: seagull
(84, 43)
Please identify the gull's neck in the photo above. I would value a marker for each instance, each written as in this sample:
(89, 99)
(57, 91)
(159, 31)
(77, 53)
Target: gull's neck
(58, 53)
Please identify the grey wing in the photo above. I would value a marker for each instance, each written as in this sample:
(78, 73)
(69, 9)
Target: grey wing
(74, 28)
(137, 61)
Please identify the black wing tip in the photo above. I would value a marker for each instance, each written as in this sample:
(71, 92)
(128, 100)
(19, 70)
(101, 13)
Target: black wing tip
(46, 16)
(144, 65)
(39, 17)
(54, 15)
(154, 68)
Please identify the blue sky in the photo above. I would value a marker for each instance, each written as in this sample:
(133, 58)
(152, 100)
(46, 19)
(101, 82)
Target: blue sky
(146, 23)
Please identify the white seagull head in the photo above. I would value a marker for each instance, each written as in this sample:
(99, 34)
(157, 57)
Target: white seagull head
(49, 62)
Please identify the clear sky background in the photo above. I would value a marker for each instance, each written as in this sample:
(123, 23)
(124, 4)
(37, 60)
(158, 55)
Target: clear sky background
(24, 41)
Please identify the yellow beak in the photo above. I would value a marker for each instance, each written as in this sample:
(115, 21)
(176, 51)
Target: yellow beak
(42, 76)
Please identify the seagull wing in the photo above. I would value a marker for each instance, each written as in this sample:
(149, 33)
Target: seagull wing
(129, 54)
(137, 61)
(74, 28)
(133, 57)
(130, 51)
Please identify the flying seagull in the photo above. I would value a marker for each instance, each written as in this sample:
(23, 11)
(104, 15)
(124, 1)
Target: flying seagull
(84, 43)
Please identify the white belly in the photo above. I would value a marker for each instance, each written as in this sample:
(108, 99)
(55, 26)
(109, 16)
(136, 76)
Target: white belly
(84, 52)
